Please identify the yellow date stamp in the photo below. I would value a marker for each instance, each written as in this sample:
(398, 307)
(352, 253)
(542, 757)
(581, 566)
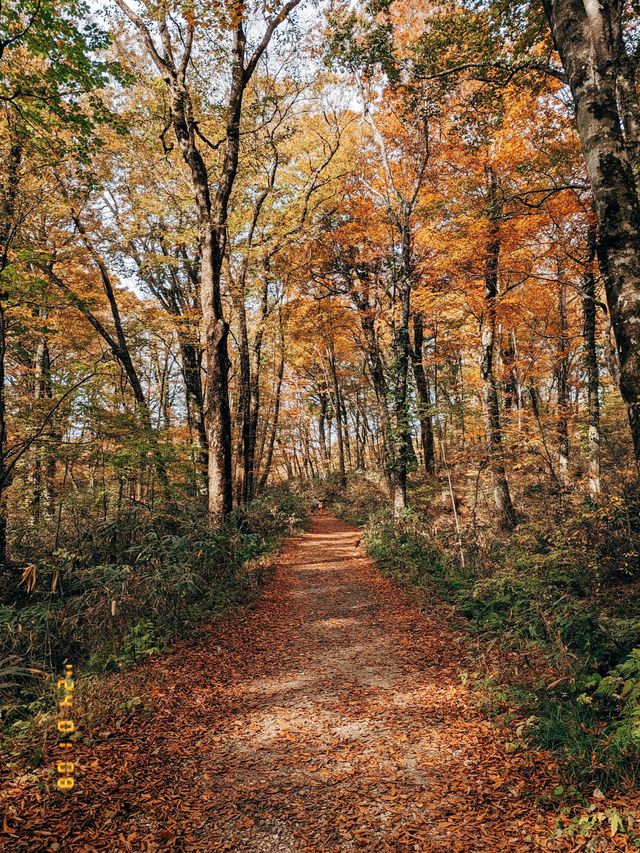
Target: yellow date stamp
(66, 726)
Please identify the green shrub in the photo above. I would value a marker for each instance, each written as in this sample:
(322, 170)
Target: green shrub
(140, 640)
(582, 740)
(621, 688)
(541, 585)
(608, 534)
(130, 585)
(592, 723)
(403, 550)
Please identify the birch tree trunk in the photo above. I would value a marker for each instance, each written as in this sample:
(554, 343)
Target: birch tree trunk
(591, 365)
(586, 36)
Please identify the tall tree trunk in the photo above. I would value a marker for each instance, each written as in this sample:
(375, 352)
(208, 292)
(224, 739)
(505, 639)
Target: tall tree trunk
(358, 434)
(5, 475)
(502, 494)
(276, 415)
(192, 376)
(345, 431)
(424, 397)
(359, 293)
(215, 330)
(461, 398)
(254, 391)
(586, 36)
(627, 96)
(216, 413)
(44, 462)
(400, 208)
(403, 448)
(510, 382)
(562, 379)
(338, 415)
(8, 198)
(297, 467)
(322, 419)
(244, 401)
(591, 365)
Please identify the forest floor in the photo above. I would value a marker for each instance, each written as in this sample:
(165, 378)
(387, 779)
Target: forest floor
(330, 716)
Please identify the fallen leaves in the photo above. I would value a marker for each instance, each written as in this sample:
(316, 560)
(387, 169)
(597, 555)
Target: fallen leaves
(329, 717)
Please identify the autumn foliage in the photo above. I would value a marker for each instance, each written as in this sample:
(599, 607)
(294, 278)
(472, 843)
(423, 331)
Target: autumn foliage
(386, 253)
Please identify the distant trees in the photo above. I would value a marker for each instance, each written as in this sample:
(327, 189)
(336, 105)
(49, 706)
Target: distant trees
(497, 43)
(222, 265)
(171, 51)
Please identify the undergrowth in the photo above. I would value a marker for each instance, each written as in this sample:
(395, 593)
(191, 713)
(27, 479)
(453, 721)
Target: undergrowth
(130, 587)
(565, 585)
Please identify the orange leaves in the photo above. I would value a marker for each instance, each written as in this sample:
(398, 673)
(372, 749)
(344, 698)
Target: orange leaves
(29, 578)
(329, 717)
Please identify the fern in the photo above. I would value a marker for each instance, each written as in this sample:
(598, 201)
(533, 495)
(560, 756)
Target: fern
(623, 685)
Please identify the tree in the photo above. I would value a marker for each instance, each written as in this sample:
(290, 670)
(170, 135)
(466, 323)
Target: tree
(498, 41)
(590, 39)
(502, 495)
(172, 55)
(48, 66)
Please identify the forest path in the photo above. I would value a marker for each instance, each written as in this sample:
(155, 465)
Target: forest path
(331, 716)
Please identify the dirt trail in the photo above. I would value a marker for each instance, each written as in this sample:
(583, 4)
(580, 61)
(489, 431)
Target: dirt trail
(330, 717)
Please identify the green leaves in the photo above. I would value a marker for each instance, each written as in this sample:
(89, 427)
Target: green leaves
(362, 43)
(622, 687)
(51, 65)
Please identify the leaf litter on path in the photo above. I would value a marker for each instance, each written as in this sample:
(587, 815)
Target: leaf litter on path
(331, 716)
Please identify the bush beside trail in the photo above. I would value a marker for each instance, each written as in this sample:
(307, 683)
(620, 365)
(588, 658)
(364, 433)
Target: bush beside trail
(128, 589)
(563, 588)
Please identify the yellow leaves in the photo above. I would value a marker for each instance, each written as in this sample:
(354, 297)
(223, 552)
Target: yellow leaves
(236, 11)
(289, 737)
